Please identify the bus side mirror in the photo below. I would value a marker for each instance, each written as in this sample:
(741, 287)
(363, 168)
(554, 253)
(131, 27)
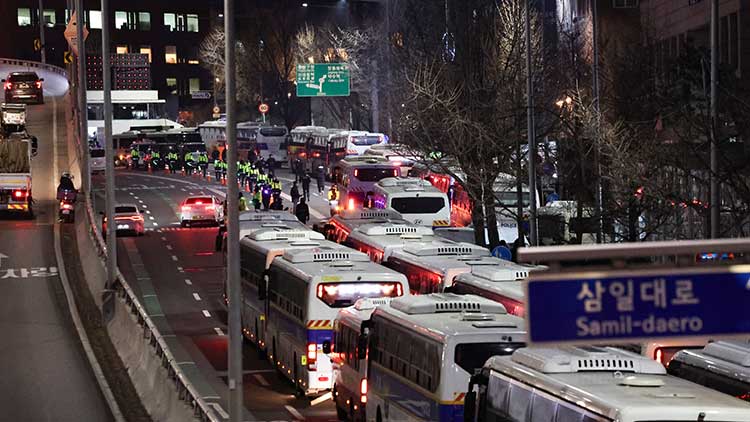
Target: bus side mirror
(362, 346)
(263, 287)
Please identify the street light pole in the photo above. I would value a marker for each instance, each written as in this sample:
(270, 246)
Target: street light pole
(595, 88)
(530, 131)
(82, 104)
(41, 32)
(234, 352)
(109, 153)
(714, 188)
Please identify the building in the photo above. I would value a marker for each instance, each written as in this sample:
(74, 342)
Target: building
(168, 32)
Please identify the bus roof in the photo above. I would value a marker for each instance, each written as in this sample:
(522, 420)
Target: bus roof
(617, 384)
(443, 315)
(503, 279)
(270, 215)
(721, 357)
(273, 242)
(406, 185)
(365, 161)
(390, 234)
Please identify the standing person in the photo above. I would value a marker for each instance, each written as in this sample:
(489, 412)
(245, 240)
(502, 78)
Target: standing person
(302, 211)
(321, 179)
(242, 203)
(265, 196)
(294, 193)
(256, 198)
(299, 170)
(203, 163)
(188, 159)
(251, 156)
(271, 165)
(306, 186)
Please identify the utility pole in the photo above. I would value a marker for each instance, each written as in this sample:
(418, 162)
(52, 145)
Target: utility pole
(234, 352)
(82, 103)
(41, 32)
(597, 109)
(530, 131)
(109, 153)
(714, 188)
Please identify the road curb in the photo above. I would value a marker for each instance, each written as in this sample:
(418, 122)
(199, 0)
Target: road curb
(82, 335)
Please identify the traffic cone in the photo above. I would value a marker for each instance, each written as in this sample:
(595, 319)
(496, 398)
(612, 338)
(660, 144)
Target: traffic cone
(208, 177)
(223, 181)
(182, 171)
(247, 188)
(149, 169)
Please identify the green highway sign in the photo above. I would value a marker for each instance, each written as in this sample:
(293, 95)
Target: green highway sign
(323, 80)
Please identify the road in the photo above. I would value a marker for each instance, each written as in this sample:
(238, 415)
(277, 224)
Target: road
(45, 374)
(176, 272)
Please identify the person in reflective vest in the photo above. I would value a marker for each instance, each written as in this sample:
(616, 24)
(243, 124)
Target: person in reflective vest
(217, 169)
(173, 158)
(156, 159)
(188, 159)
(203, 162)
(275, 185)
(242, 203)
(135, 157)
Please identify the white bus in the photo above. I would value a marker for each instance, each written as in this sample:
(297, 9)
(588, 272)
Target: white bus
(395, 154)
(591, 384)
(423, 349)
(350, 332)
(502, 283)
(380, 239)
(272, 141)
(305, 288)
(721, 365)
(357, 142)
(415, 199)
(358, 178)
(338, 227)
(433, 266)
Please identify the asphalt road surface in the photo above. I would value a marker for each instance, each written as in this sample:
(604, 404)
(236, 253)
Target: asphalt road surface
(176, 270)
(44, 374)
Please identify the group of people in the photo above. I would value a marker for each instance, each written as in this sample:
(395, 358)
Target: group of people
(191, 161)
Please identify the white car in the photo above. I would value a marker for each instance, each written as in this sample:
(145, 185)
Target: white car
(128, 219)
(201, 209)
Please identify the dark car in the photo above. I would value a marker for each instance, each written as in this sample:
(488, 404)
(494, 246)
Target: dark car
(23, 87)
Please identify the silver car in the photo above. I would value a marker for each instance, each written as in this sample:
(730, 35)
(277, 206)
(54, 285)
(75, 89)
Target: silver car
(201, 209)
(128, 219)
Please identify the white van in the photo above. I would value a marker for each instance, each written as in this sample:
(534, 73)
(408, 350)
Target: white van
(415, 199)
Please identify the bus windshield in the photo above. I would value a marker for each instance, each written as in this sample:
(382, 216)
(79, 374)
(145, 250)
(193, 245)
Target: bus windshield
(273, 131)
(471, 356)
(510, 198)
(341, 295)
(365, 140)
(375, 174)
(97, 153)
(418, 205)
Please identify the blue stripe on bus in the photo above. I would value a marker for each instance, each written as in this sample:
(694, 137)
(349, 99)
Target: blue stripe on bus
(422, 406)
(289, 324)
(319, 336)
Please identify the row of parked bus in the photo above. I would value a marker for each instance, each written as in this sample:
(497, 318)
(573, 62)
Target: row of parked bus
(395, 321)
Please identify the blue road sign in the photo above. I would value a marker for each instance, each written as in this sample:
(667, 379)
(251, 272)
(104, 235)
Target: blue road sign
(502, 252)
(623, 306)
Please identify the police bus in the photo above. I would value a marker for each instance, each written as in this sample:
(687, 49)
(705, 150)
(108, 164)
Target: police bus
(396, 154)
(432, 266)
(338, 227)
(357, 142)
(300, 137)
(304, 289)
(358, 178)
(271, 141)
(253, 220)
(350, 332)
(591, 384)
(423, 349)
(502, 283)
(415, 199)
(381, 238)
(721, 365)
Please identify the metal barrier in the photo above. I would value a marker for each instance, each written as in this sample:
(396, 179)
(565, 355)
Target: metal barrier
(185, 388)
(37, 65)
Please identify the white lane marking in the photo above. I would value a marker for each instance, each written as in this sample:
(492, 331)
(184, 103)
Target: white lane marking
(261, 380)
(163, 238)
(148, 212)
(321, 399)
(151, 217)
(131, 193)
(155, 224)
(146, 206)
(140, 201)
(135, 197)
(220, 410)
(294, 412)
(169, 247)
(196, 296)
(188, 282)
(206, 314)
(218, 331)
(174, 258)
(180, 269)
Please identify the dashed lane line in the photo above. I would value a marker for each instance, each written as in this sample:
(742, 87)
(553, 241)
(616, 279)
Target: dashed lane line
(174, 258)
(206, 313)
(297, 415)
(218, 331)
(197, 297)
(188, 282)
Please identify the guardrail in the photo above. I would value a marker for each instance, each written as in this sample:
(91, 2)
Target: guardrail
(37, 65)
(185, 388)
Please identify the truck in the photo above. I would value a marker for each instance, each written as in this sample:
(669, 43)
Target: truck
(16, 150)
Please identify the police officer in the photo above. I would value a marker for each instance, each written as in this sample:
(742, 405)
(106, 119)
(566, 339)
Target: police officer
(203, 162)
(217, 169)
(242, 203)
(188, 159)
(156, 159)
(173, 159)
(135, 157)
(275, 186)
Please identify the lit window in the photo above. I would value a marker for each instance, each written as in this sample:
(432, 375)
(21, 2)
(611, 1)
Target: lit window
(194, 61)
(195, 85)
(146, 49)
(95, 19)
(170, 54)
(172, 85)
(49, 17)
(192, 23)
(24, 16)
(122, 49)
(170, 21)
(144, 21)
(121, 20)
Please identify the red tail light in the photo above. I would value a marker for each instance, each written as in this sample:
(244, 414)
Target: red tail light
(132, 218)
(312, 353)
(658, 355)
(39, 84)
(356, 172)
(8, 86)
(19, 194)
(66, 206)
(363, 391)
